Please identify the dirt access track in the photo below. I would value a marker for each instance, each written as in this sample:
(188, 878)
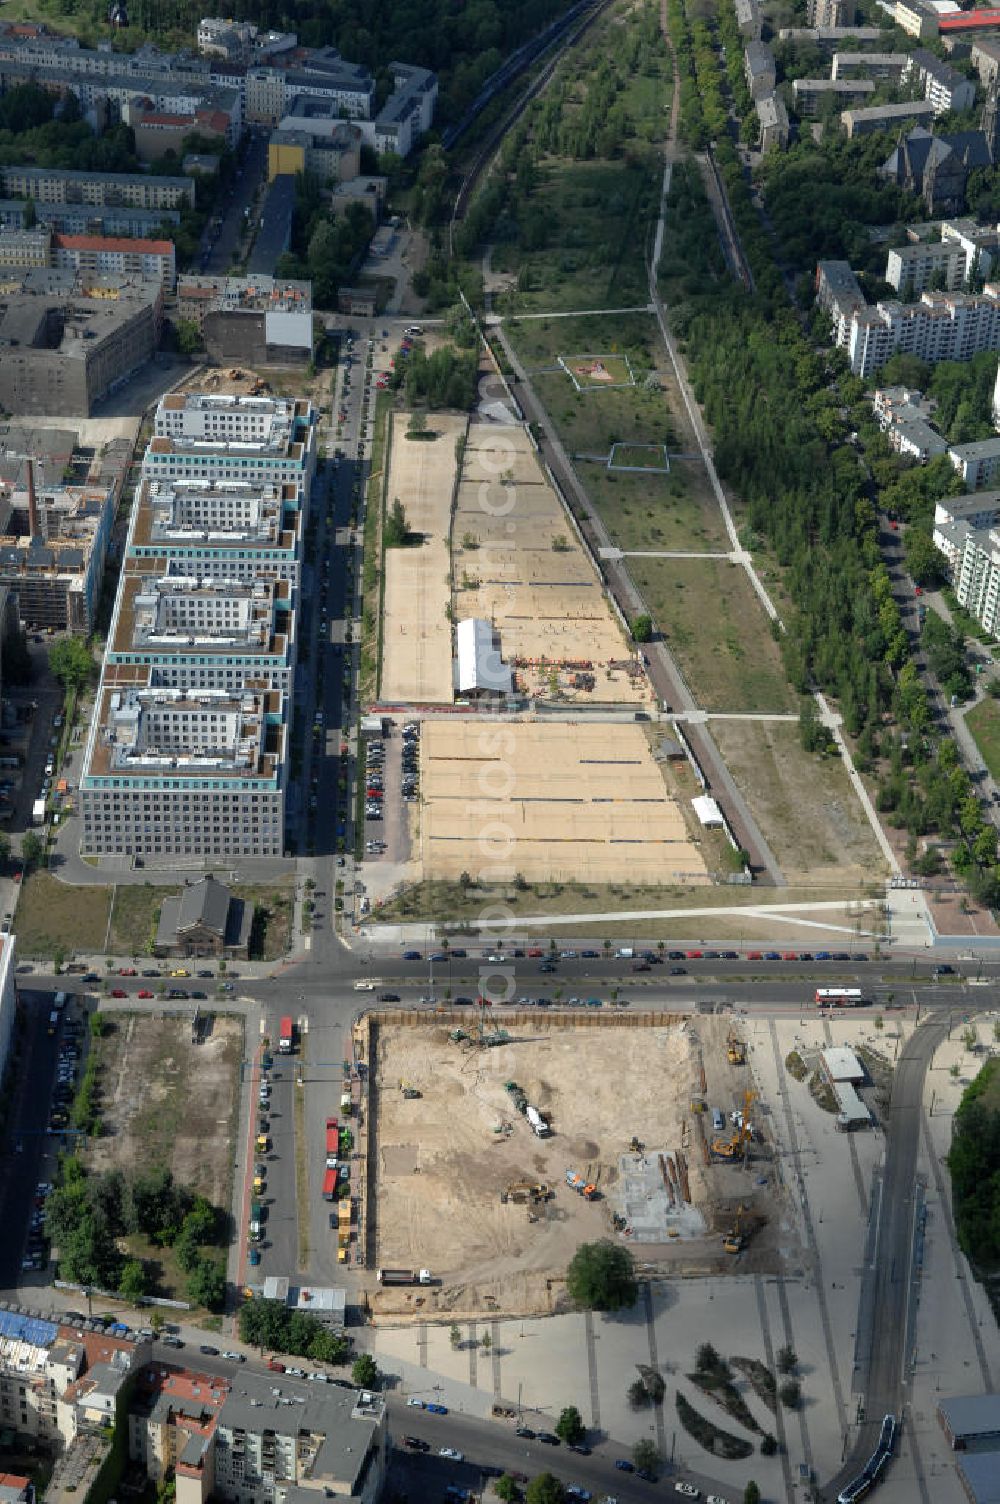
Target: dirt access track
(557, 801)
(167, 1101)
(518, 563)
(441, 1164)
(416, 631)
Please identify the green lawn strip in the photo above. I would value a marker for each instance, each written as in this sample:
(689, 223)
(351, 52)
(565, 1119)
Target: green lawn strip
(984, 723)
(718, 631)
(654, 512)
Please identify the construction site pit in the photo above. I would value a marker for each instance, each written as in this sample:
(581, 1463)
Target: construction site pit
(460, 1183)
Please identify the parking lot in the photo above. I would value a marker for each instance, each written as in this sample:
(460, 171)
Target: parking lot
(392, 772)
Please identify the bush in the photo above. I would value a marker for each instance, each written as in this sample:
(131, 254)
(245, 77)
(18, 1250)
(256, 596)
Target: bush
(638, 1395)
(787, 1359)
(768, 1446)
(707, 1360)
(646, 1456)
(790, 1394)
(365, 1372)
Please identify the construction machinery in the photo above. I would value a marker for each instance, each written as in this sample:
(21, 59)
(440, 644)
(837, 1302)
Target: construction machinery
(525, 1192)
(583, 1187)
(410, 1093)
(636, 1146)
(734, 1240)
(732, 1148)
(736, 1049)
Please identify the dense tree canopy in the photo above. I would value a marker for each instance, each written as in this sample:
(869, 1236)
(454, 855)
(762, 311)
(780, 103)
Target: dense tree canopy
(601, 1277)
(974, 1162)
(270, 1324)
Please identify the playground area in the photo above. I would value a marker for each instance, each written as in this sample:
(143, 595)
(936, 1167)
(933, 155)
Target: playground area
(597, 372)
(553, 801)
(517, 562)
(416, 631)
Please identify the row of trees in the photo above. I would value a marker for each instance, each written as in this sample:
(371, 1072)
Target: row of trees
(974, 1162)
(269, 1324)
(89, 1215)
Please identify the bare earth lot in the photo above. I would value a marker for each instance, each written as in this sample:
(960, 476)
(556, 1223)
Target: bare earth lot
(552, 801)
(517, 563)
(441, 1152)
(416, 651)
(166, 1101)
(809, 814)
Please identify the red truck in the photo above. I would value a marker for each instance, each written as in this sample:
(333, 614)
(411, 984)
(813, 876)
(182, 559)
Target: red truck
(286, 1035)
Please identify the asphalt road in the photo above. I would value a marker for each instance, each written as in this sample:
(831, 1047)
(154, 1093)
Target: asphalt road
(21, 1170)
(220, 248)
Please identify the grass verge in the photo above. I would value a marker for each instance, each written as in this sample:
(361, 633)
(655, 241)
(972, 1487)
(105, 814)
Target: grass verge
(53, 916)
(372, 571)
(716, 628)
(984, 723)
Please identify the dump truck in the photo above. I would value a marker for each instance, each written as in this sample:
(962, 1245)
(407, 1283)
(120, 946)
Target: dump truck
(736, 1050)
(539, 1126)
(286, 1036)
(405, 1277)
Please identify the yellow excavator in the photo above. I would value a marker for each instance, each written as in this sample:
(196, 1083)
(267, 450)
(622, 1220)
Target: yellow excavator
(733, 1240)
(732, 1148)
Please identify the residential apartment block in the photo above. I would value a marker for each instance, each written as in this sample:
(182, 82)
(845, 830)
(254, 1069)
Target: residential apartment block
(252, 321)
(976, 463)
(258, 1439)
(940, 326)
(904, 417)
(809, 94)
(748, 19)
(187, 755)
(973, 555)
(956, 516)
(118, 257)
(885, 117)
(55, 1380)
(830, 12)
(57, 185)
(883, 65)
(772, 118)
(985, 58)
(839, 294)
(944, 86)
(79, 219)
(830, 38)
(759, 69)
(965, 250)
